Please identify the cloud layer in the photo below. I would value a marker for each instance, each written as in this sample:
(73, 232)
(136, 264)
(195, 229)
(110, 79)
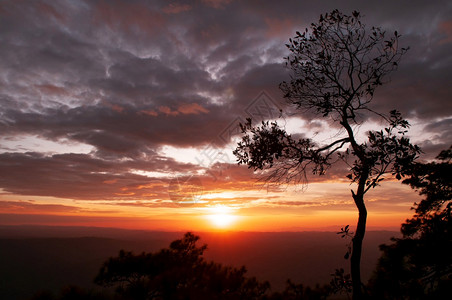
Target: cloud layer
(125, 79)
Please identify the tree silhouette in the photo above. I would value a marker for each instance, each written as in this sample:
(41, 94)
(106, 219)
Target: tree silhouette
(434, 181)
(300, 292)
(336, 67)
(178, 272)
(419, 265)
(72, 292)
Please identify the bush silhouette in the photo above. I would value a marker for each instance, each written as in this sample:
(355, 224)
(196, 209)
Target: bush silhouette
(179, 272)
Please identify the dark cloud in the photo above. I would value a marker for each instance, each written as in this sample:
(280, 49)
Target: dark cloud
(440, 137)
(130, 77)
(80, 176)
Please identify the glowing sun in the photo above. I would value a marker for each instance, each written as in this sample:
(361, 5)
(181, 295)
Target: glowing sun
(221, 216)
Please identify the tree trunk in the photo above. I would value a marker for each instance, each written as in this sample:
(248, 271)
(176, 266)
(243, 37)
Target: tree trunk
(355, 260)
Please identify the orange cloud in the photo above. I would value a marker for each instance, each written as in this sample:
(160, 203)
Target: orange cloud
(125, 194)
(149, 113)
(217, 3)
(279, 28)
(128, 16)
(117, 108)
(33, 207)
(192, 108)
(175, 8)
(50, 11)
(446, 28)
(167, 111)
(52, 89)
(185, 109)
(110, 181)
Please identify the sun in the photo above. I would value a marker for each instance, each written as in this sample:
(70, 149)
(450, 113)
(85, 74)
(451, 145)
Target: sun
(221, 216)
(222, 220)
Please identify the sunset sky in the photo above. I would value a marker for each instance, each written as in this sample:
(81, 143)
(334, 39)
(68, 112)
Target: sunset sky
(125, 113)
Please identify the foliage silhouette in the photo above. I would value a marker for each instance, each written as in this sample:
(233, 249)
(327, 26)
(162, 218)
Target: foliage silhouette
(336, 68)
(300, 292)
(419, 265)
(178, 272)
(434, 181)
(341, 282)
(72, 293)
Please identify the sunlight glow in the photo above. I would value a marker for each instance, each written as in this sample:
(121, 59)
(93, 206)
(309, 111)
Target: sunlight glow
(221, 216)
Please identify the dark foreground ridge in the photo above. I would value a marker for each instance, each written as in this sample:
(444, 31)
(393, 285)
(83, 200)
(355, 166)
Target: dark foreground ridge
(48, 258)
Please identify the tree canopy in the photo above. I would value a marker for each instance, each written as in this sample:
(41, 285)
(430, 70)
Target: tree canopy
(419, 265)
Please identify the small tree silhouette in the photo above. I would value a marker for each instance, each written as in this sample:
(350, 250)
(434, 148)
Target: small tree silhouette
(178, 272)
(336, 68)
